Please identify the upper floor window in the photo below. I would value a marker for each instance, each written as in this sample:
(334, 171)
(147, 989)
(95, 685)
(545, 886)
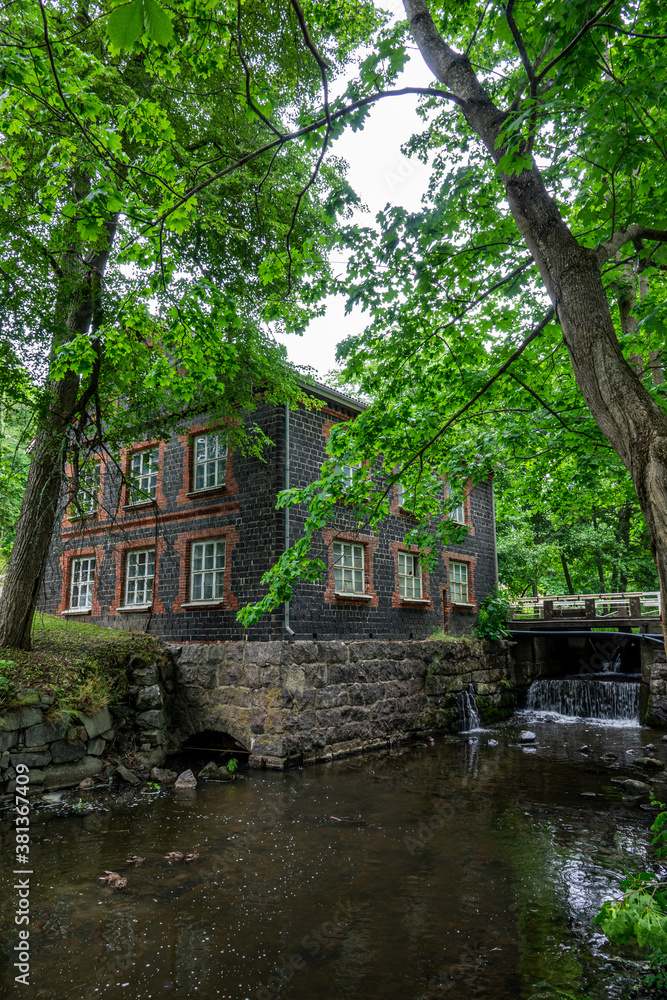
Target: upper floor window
(207, 570)
(210, 460)
(347, 472)
(402, 493)
(88, 487)
(139, 577)
(83, 580)
(348, 562)
(409, 576)
(143, 485)
(457, 513)
(458, 582)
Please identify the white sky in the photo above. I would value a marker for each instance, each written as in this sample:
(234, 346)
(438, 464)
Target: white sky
(380, 175)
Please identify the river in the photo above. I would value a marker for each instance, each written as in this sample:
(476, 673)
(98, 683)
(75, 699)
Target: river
(454, 869)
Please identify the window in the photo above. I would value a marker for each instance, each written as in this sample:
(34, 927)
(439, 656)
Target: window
(144, 475)
(458, 582)
(210, 461)
(457, 513)
(83, 578)
(139, 577)
(89, 484)
(401, 495)
(409, 576)
(348, 568)
(207, 571)
(347, 471)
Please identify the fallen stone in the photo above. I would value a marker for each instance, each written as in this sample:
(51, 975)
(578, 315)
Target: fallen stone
(649, 763)
(97, 746)
(69, 775)
(525, 736)
(163, 776)
(185, 780)
(64, 752)
(86, 783)
(127, 775)
(96, 724)
(108, 734)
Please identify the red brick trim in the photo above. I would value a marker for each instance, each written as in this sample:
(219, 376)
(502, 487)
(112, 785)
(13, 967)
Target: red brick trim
(396, 600)
(186, 441)
(197, 513)
(183, 547)
(125, 463)
(370, 543)
(447, 605)
(120, 552)
(467, 512)
(66, 560)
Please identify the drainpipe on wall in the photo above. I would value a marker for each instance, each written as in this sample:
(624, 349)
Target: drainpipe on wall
(493, 516)
(287, 625)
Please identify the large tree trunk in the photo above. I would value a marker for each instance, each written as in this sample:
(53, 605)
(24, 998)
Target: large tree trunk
(627, 416)
(82, 289)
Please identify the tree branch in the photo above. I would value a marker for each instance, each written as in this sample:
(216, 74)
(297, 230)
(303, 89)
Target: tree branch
(631, 234)
(577, 38)
(523, 52)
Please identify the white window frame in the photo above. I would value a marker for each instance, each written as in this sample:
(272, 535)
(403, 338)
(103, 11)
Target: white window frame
(410, 579)
(347, 471)
(133, 556)
(217, 464)
(458, 513)
(88, 486)
(345, 565)
(217, 571)
(82, 581)
(459, 583)
(143, 482)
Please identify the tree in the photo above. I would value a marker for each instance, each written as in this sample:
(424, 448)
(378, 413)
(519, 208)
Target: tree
(150, 231)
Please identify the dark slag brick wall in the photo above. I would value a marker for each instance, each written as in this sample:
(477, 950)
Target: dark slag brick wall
(251, 511)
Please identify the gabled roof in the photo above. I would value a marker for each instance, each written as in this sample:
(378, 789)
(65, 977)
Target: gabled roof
(326, 392)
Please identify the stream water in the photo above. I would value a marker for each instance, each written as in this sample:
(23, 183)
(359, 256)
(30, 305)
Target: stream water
(457, 870)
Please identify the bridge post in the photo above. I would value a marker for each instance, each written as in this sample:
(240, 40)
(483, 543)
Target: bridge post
(548, 609)
(589, 607)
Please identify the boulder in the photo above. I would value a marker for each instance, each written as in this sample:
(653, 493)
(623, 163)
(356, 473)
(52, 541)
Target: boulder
(64, 752)
(69, 775)
(185, 780)
(525, 736)
(163, 776)
(649, 763)
(633, 786)
(31, 759)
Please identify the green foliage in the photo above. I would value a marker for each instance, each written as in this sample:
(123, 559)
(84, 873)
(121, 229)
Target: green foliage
(232, 765)
(493, 615)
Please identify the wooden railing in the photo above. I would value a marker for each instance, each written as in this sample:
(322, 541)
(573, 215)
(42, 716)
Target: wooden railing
(635, 605)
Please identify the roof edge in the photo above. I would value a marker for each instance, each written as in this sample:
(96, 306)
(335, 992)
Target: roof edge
(318, 388)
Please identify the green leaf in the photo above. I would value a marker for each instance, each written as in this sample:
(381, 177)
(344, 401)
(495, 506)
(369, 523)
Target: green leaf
(158, 23)
(126, 23)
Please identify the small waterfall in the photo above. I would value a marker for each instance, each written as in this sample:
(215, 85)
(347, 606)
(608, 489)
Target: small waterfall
(468, 714)
(585, 699)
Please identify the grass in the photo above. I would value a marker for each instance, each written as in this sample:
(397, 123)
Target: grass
(85, 666)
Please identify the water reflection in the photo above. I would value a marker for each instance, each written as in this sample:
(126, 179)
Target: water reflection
(456, 870)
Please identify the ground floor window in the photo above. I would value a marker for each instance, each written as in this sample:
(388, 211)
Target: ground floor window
(409, 576)
(139, 577)
(83, 580)
(458, 582)
(348, 568)
(207, 570)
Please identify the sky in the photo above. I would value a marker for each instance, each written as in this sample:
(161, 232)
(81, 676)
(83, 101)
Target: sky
(380, 175)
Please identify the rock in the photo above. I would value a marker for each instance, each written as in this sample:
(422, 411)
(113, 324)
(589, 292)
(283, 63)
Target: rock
(69, 775)
(120, 711)
(31, 759)
(36, 777)
(127, 775)
(46, 732)
(632, 785)
(186, 780)
(492, 743)
(585, 748)
(4, 760)
(8, 739)
(76, 733)
(97, 746)
(27, 696)
(52, 797)
(86, 783)
(64, 752)
(525, 736)
(163, 776)
(588, 795)
(149, 697)
(649, 748)
(609, 756)
(153, 719)
(108, 734)
(145, 676)
(649, 763)
(149, 759)
(210, 770)
(96, 724)
(664, 738)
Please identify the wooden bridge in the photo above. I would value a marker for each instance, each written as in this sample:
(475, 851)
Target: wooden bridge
(621, 612)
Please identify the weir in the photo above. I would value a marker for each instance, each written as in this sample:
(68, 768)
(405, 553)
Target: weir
(586, 699)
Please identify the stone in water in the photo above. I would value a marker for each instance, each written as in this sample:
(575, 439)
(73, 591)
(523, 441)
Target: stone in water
(526, 736)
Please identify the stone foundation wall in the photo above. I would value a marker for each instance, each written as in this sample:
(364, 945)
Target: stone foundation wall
(63, 747)
(653, 691)
(299, 702)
